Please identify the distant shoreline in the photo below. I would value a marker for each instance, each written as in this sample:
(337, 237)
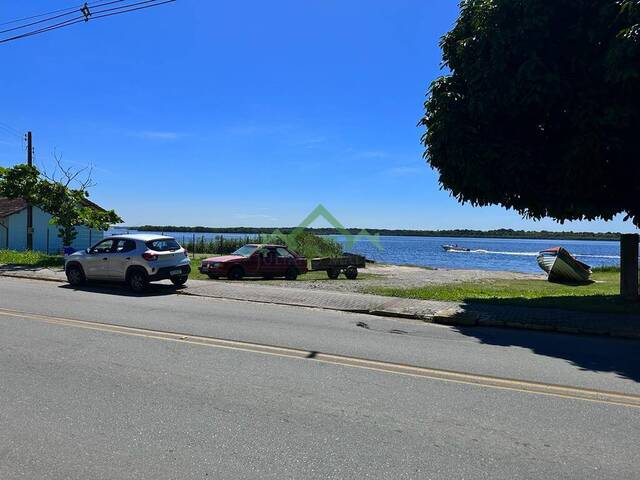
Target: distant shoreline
(499, 233)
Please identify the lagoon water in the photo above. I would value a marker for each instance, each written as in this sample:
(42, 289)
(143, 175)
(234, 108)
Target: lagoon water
(486, 253)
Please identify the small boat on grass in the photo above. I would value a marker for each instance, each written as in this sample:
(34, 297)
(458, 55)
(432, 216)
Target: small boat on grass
(455, 248)
(562, 266)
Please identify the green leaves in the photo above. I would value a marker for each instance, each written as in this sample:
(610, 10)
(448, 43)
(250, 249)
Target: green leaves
(19, 181)
(541, 109)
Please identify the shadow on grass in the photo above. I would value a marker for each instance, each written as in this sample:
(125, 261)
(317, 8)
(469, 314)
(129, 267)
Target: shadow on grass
(107, 288)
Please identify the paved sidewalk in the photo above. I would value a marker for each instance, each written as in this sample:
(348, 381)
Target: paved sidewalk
(348, 302)
(253, 292)
(448, 313)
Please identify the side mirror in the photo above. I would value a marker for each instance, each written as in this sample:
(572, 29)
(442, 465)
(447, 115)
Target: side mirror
(88, 250)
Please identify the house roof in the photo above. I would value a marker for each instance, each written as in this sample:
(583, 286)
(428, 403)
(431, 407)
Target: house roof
(9, 206)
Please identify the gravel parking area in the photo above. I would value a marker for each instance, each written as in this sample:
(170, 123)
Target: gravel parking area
(380, 275)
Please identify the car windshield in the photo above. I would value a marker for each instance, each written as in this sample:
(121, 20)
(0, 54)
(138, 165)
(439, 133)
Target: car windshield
(163, 245)
(245, 251)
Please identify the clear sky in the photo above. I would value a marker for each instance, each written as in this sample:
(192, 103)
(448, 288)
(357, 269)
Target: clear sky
(243, 113)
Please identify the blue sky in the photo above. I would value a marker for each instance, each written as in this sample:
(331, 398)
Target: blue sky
(244, 113)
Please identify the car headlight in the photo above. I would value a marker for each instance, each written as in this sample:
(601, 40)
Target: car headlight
(217, 265)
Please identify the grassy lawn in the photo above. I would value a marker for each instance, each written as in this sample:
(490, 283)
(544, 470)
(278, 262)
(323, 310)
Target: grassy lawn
(32, 259)
(599, 296)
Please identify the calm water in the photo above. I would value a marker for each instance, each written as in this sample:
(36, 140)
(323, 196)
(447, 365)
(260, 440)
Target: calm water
(486, 254)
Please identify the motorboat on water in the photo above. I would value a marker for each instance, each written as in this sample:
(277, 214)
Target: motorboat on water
(455, 248)
(560, 265)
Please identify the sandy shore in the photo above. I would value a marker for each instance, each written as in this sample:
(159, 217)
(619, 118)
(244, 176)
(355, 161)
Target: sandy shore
(406, 276)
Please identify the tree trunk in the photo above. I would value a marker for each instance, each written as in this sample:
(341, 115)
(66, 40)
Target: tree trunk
(629, 266)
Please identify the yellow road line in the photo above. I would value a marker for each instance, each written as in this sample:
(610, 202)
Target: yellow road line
(562, 391)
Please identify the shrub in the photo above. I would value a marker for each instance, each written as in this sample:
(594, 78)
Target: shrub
(306, 244)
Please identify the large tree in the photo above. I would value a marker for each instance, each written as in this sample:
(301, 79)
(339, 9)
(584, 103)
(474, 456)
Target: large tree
(62, 194)
(540, 108)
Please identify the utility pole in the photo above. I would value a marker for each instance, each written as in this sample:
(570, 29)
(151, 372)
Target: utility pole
(29, 207)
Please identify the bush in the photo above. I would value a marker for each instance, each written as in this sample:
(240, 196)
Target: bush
(220, 244)
(306, 244)
(310, 245)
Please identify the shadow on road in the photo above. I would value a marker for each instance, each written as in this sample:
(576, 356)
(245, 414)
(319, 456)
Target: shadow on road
(594, 303)
(154, 289)
(596, 354)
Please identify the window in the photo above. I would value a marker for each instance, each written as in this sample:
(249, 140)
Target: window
(283, 252)
(163, 245)
(245, 251)
(125, 246)
(105, 246)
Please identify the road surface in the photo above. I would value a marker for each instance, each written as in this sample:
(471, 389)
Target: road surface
(99, 383)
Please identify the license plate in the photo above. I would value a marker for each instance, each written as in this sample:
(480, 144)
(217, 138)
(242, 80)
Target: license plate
(175, 272)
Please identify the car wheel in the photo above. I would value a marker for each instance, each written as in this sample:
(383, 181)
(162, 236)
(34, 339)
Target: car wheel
(212, 276)
(291, 273)
(351, 273)
(236, 273)
(333, 273)
(75, 275)
(179, 281)
(138, 281)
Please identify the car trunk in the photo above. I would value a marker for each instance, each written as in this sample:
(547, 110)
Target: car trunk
(166, 259)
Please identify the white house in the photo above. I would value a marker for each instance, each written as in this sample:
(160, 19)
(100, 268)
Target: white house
(13, 229)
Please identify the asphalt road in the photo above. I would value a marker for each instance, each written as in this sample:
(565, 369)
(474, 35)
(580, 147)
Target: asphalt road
(89, 399)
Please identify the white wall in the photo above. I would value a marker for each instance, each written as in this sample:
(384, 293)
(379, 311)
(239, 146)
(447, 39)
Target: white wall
(45, 235)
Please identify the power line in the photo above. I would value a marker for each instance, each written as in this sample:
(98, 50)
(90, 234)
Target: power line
(94, 16)
(19, 27)
(10, 129)
(68, 9)
(75, 10)
(40, 15)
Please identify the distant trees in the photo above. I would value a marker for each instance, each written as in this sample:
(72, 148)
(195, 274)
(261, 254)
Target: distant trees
(540, 109)
(498, 233)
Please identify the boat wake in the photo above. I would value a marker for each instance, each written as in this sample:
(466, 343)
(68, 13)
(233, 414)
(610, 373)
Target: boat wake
(492, 252)
(532, 254)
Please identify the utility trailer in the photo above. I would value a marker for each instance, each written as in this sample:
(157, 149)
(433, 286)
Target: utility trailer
(334, 266)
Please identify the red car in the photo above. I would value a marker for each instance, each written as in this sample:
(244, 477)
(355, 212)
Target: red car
(267, 261)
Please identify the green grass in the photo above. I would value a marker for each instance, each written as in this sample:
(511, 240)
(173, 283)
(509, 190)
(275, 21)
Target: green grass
(33, 259)
(600, 296)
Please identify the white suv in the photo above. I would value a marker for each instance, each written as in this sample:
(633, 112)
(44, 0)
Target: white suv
(134, 259)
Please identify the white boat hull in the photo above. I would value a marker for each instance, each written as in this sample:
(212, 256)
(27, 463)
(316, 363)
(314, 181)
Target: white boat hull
(562, 266)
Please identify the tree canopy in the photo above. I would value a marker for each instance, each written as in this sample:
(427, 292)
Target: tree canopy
(540, 108)
(68, 206)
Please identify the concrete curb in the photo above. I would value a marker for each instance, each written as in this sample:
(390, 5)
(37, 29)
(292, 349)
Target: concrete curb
(456, 315)
(32, 277)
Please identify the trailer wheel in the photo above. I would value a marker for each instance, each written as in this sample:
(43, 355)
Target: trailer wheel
(333, 273)
(351, 272)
